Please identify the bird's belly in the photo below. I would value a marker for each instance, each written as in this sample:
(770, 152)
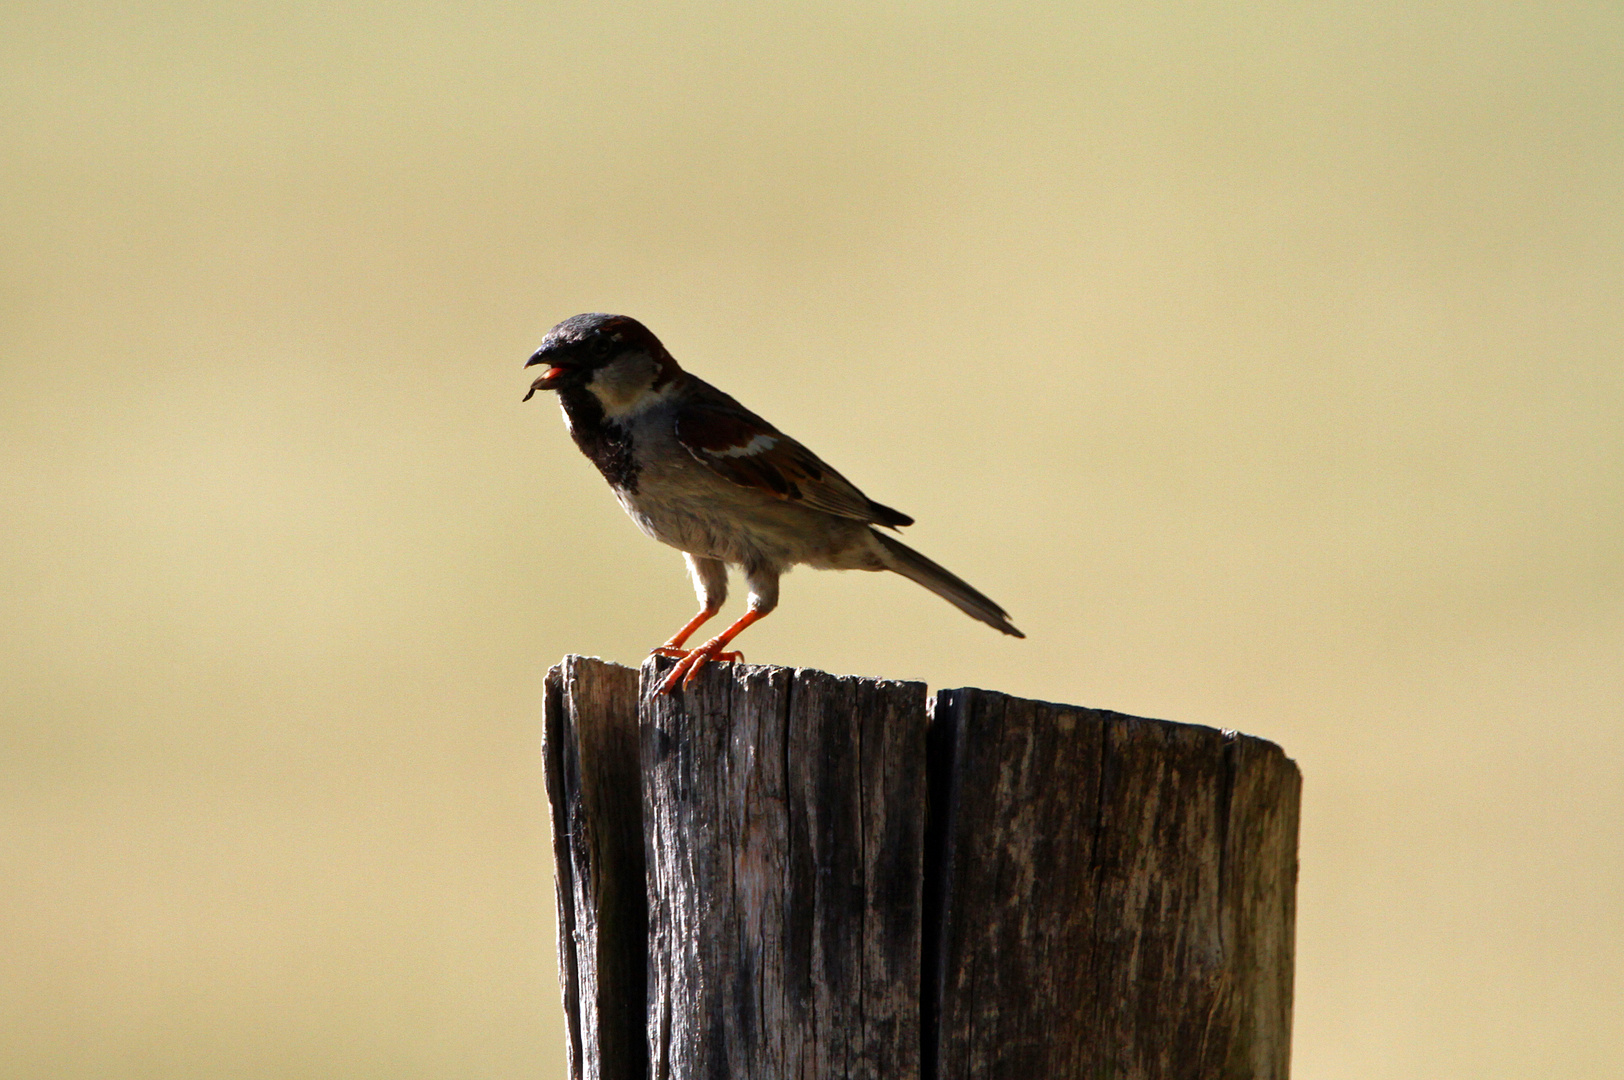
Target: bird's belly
(671, 521)
(738, 527)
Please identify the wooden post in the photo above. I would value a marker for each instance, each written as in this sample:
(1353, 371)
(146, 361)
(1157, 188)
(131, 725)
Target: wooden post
(1088, 895)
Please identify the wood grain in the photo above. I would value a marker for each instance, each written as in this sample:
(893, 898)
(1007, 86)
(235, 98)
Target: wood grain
(1108, 896)
(784, 832)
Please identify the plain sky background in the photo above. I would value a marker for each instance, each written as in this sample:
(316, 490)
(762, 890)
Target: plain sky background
(1265, 361)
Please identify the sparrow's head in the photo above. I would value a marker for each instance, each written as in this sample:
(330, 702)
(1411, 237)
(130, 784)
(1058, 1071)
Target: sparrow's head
(614, 357)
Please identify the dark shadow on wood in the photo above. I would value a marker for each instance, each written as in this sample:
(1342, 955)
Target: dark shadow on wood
(594, 785)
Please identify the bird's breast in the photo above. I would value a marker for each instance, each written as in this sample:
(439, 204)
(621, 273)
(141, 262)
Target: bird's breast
(608, 444)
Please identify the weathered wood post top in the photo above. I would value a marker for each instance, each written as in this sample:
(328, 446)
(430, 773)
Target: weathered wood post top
(790, 874)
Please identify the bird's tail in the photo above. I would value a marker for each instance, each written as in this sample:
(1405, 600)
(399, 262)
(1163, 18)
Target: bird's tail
(914, 566)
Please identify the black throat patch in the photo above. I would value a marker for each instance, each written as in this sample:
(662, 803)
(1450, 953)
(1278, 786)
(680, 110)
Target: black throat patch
(605, 443)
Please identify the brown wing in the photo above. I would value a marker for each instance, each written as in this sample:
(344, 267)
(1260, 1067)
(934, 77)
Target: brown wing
(742, 447)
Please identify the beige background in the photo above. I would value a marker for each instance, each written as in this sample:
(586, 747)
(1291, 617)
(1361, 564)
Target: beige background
(1265, 361)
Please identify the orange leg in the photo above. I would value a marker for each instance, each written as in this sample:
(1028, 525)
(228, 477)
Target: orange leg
(674, 646)
(688, 668)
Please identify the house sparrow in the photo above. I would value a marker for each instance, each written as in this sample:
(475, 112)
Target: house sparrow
(700, 472)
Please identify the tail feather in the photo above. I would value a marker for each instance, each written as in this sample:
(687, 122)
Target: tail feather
(914, 566)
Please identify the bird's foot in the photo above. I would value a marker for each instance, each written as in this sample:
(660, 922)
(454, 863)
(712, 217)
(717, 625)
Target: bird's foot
(675, 652)
(691, 661)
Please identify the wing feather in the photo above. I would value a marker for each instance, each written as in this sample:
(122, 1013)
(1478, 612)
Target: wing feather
(743, 448)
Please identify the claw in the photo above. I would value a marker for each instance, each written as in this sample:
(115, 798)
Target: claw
(691, 663)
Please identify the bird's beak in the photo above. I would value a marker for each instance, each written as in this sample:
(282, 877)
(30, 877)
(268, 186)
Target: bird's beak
(549, 379)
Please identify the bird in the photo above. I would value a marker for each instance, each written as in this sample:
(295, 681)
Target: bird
(699, 472)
